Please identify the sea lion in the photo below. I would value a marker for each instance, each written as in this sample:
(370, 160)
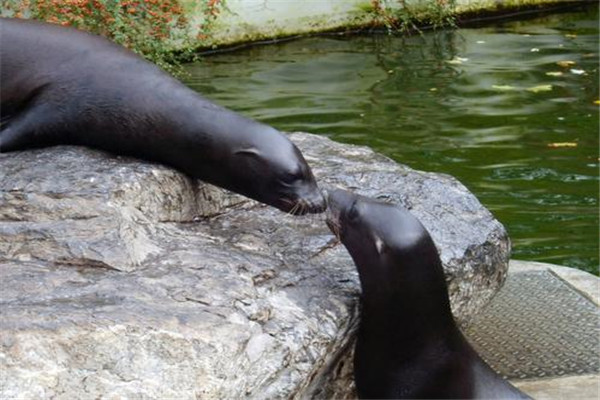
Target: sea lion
(408, 344)
(63, 86)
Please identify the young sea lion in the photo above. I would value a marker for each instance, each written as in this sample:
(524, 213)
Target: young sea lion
(408, 344)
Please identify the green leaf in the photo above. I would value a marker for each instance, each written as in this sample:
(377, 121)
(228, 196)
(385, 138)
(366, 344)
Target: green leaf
(540, 88)
(503, 88)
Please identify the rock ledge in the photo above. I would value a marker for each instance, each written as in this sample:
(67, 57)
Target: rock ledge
(127, 279)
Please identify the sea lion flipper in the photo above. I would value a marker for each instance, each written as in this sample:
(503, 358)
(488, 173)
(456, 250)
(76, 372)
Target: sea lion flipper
(27, 128)
(10, 139)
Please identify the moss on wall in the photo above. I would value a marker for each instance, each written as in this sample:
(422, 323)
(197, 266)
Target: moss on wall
(168, 31)
(258, 20)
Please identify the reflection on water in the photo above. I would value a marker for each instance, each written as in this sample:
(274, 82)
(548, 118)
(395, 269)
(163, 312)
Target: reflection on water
(480, 104)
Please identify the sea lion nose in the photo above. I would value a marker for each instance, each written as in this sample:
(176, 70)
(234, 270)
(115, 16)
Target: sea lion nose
(317, 201)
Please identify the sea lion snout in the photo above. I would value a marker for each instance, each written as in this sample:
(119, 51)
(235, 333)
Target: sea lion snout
(340, 203)
(339, 200)
(333, 208)
(309, 200)
(316, 201)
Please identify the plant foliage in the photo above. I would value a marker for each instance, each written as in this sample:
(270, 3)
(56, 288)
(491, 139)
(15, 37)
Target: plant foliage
(148, 27)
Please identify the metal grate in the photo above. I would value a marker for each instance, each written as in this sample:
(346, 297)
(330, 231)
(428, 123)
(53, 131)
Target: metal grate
(538, 326)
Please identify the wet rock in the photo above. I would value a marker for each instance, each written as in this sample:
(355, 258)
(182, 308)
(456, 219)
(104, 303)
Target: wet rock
(127, 279)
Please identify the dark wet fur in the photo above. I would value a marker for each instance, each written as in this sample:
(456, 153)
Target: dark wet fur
(408, 344)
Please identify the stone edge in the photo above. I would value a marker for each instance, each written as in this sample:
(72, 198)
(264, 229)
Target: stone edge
(583, 282)
(231, 31)
(569, 387)
(580, 387)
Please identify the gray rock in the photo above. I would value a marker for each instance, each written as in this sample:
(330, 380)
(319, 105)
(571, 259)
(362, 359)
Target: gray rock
(123, 279)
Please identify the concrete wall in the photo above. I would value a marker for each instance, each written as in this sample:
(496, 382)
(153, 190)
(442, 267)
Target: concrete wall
(251, 20)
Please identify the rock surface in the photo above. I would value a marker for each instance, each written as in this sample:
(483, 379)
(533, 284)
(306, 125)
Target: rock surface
(122, 279)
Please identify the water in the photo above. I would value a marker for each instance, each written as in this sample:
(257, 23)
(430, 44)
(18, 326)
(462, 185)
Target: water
(484, 105)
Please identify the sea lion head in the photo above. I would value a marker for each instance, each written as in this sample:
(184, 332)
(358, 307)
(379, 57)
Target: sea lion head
(375, 233)
(269, 168)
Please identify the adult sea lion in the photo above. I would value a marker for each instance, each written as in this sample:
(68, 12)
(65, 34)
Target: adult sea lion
(408, 344)
(63, 86)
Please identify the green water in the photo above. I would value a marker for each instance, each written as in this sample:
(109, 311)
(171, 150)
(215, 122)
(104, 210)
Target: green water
(477, 104)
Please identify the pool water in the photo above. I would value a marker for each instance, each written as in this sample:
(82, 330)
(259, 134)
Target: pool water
(511, 110)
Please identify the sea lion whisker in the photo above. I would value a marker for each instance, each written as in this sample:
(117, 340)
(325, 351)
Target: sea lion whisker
(303, 207)
(337, 231)
(335, 227)
(294, 208)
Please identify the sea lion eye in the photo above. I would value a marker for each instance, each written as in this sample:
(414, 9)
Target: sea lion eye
(290, 177)
(353, 213)
(248, 152)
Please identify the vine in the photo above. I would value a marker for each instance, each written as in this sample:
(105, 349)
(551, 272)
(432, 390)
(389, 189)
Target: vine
(400, 16)
(147, 27)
